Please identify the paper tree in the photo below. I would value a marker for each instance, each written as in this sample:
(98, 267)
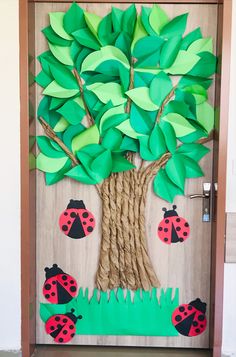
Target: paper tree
(124, 103)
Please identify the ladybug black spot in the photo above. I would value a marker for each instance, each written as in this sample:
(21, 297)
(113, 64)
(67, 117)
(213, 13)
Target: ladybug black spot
(90, 229)
(65, 283)
(64, 228)
(65, 213)
(165, 239)
(186, 224)
(181, 239)
(197, 330)
(167, 221)
(47, 286)
(59, 326)
(65, 332)
(185, 314)
(47, 296)
(57, 318)
(64, 277)
(195, 323)
(201, 326)
(72, 282)
(190, 307)
(84, 223)
(60, 339)
(165, 229)
(201, 317)
(73, 214)
(177, 219)
(85, 214)
(178, 318)
(185, 234)
(72, 335)
(71, 327)
(69, 222)
(91, 220)
(72, 289)
(160, 229)
(53, 282)
(51, 328)
(178, 229)
(64, 320)
(53, 294)
(182, 308)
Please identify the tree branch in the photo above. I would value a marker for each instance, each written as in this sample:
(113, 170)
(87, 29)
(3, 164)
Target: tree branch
(165, 101)
(131, 84)
(79, 80)
(52, 135)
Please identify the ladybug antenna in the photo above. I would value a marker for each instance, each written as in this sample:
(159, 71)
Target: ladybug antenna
(72, 310)
(46, 269)
(174, 206)
(164, 209)
(79, 317)
(55, 265)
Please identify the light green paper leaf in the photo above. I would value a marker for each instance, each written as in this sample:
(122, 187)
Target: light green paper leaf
(88, 136)
(110, 113)
(106, 53)
(199, 92)
(205, 116)
(176, 171)
(108, 91)
(62, 53)
(183, 63)
(169, 51)
(160, 87)
(164, 187)
(175, 27)
(102, 164)
(139, 32)
(55, 90)
(181, 125)
(48, 164)
(201, 45)
(190, 38)
(52, 37)
(127, 129)
(140, 96)
(61, 125)
(52, 178)
(74, 19)
(158, 18)
(56, 22)
(93, 22)
(145, 13)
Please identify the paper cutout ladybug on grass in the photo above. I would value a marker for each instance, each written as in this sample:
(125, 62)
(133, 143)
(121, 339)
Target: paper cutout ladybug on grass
(190, 319)
(173, 229)
(76, 221)
(59, 287)
(62, 326)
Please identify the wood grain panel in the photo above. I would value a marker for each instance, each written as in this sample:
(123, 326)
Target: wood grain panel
(230, 248)
(186, 266)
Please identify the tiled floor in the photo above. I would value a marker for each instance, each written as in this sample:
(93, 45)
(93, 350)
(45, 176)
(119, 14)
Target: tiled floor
(52, 351)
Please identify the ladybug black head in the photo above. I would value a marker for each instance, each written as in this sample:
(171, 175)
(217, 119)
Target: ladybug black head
(170, 213)
(50, 272)
(199, 305)
(76, 204)
(72, 316)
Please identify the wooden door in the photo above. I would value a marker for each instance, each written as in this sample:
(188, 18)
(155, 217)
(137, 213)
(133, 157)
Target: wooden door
(184, 266)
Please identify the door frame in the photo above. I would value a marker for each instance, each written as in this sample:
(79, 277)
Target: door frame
(28, 210)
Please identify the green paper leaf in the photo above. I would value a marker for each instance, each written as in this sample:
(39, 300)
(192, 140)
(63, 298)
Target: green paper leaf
(105, 31)
(169, 51)
(160, 87)
(102, 164)
(56, 103)
(116, 15)
(199, 93)
(61, 53)
(109, 114)
(145, 151)
(190, 80)
(52, 178)
(190, 38)
(140, 120)
(88, 136)
(169, 135)
(139, 31)
(120, 164)
(108, 91)
(123, 42)
(140, 96)
(70, 133)
(194, 151)
(180, 124)
(157, 142)
(129, 144)
(164, 187)
(48, 164)
(192, 169)
(176, 171)
(93, 22)
(52, 37)
(205, 116)
(113, 121)
(61, 125)
(86, 38)
(106, 53)
(176, 106)
(205, 67)
(147, 46)
(112, 139)
(175, 27)
(43, 79)
(145, 13)
(129, 19)
(201, 45)
(158, 18)
(72, 112)
(127, 129)
(63, 76)
(55, 90)
(56, 22)
(74, 19)
(183, 63)
(47, 149)
(78, 173)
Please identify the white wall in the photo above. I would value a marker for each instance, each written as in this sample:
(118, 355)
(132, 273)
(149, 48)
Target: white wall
(9, 177)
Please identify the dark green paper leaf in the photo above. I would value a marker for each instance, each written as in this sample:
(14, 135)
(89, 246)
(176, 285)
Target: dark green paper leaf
(120, 163)
(102, 164)
(175, 27)
(192, 169)
(176, 171)
(46, 148)
(190, 38)
(169, 135)
(72, 112)
(74, 19)
(169, 51)
(52, 37)
(194, 151)
(63, 76)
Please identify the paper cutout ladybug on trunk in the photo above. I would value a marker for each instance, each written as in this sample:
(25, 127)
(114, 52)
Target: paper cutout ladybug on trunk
(62, 327)
(190, 319)
(173, 229)
(59, 287)
(76, 221)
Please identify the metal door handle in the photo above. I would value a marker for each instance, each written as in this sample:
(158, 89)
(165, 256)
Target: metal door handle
(206, 202)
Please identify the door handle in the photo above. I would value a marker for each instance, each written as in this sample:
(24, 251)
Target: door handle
(206, 202)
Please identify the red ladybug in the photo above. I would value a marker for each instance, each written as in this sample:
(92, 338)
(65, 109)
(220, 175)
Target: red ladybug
(59, 287)
(76, 221)
(62, 327)
(173, 229)
(189, 319)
